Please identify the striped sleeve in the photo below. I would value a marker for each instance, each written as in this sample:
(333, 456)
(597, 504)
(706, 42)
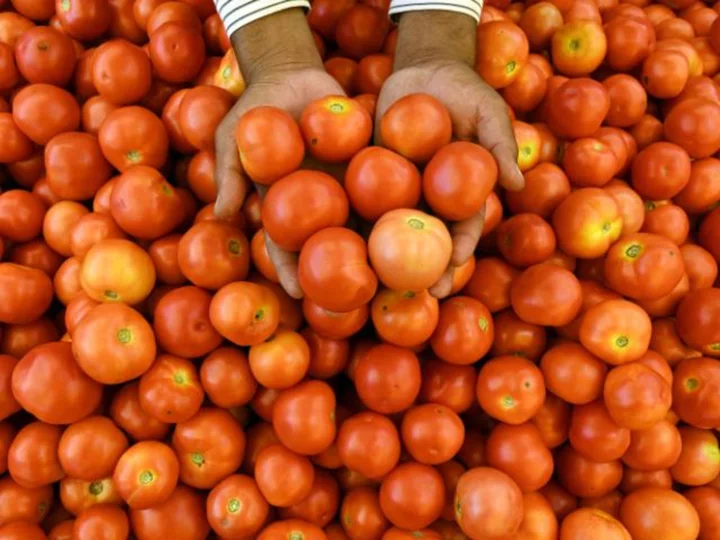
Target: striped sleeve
(237, 13)
(468, 7)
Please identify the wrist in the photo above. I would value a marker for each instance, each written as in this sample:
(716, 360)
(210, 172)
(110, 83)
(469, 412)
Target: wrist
(275, 45)
(435, 38)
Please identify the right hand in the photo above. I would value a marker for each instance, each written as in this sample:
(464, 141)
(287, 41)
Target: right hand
(290, 90)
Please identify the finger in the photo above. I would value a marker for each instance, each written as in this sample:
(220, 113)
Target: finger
(231, 184)
(286, 267)
(465, 236)
(496, 134)
(444, 285)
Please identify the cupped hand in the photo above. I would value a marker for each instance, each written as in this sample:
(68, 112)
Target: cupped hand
(478, 114)
(290, 90)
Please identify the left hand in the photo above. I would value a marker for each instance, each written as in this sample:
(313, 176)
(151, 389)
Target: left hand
(478, 113)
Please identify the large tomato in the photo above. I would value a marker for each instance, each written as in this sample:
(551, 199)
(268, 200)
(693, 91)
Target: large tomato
(18, 503)
(85, 20)
(661, 171)
(412, 496)
(121, 72)
(502, 52)
(90, 449)
(181, 516)
(578, 47)
(520, 452)
(577, 108)
(32, 456)
(333, 270)
(547, 295)
(201, 111)
(387, 378)
(210, 446)
(636, 396)
(49, 383)
(76, 168)
(525, 239)
(21, 215)
(133, 136)
(572, 373)
(170, 390)
(361, 30)
(146, 474)
(642, 513)
(177, 52)
(42, 111)
(45, 55)
(432, 433)
(283, 477)
(101, 520)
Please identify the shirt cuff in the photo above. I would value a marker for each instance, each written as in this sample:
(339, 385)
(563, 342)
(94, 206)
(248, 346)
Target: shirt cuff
(468, 7)
(237, 13)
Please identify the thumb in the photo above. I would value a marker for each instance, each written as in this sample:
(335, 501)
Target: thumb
(496, 134)
(231, 184)
(286, 266)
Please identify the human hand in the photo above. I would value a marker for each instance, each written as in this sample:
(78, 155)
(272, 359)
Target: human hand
(478, 114)
(290, 90)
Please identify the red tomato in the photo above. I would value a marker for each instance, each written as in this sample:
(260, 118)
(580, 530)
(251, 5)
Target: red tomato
(235, 507)
(21, 215)
(412, 495)
(573, 373)
(281, 362)
(245, 313)
(170, 390)
(16, 146)
(177, 52)
(387, 378)
(361, 30)
(45, 55)
(369, 443)
(133, 136)
(127, 413)
(32, 457)
(510, 389)
(510, 52)
(76, 168)
(121, 72)
(641, 510)
(42, 111)
(546, 294)
(636, 396)
(201, 110)
(162, 520)
(464, 332)
(146, 474)
(85, 21)
(90, 449)
(577, 108)
(406, 319)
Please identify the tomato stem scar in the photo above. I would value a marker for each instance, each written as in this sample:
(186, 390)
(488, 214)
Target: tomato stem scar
(416, 223)
(234, 506)
(622, 342)
(146, 477)
(124, 335)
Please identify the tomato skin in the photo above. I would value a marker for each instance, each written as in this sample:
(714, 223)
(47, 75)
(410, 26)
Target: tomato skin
(288, 527)
(284, 477)
(270, 144)
(132, 136)
(76, 168)
(290, 225)
(335, 128)
(488, 503)
(245, 313)
(510, 52)
(705, 500)
(21, 215)
(226, 378)
(146, 474)
(416, 127)
(91, 229)
(406, 319)
(630, 263)
(570, 115)
(593, 524)
(85, 21)
(230, 519)
(32, 456)
(510, 389)
(17, 145)
(695, 321)
(640, 510)
(432, 433)
(171, 42)
(361, 30)
(525, 239)
(387, 378)
(458, 180)
(281, 362)
(162, 520)
(661, 171)
(48, 383)
(636, 396)
(465, 331)
(369, 443)
(95, 436)
(695, 393)
(114, 344)
(304, 417)
(547, 295)
(60, 112)
(21, 529)
(126, 412)
(45, 55)
(573, 373)
(409, 249)
(405, 503)
(170, 390)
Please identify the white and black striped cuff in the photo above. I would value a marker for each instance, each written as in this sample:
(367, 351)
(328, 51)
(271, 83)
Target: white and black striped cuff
(238, 13)
(468, 7)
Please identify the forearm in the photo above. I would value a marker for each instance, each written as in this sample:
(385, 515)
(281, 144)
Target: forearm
(435, 36)
(269, 37)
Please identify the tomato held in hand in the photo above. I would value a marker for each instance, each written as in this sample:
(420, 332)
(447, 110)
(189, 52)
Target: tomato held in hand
(409, 249)
(333, 270)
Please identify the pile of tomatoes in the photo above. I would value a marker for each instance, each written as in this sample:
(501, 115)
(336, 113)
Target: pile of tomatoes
(157, 382)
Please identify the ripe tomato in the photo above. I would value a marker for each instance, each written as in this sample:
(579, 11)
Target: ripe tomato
(113, 344)
(705, 500)
(432, 433)
(245, 313)
(695, 384)
(102, 519)
(387, 378)
(170, 390)
(661, 171)
(525, 239)
(288, 527)
(320, 506)
(636, 396)
(287, 219)
(416, 126)
(117, 270)
(490, 283)
(592, 523)
(378, 181)
(631, 262)
(17, 145)
(361, 30)
(690, 125)
(304, 417)
(510, 389)
(458, 180)
(32, 457)
(369, 443)
(91, 229)
(226, 378)
(578, 47)
(280, 362)
(572, 373)
(655, 448)
(201, 110)
(406, 319)
(595, 435)
(553, 421)
(589, 162)
(146, 474)
(269, 143)
(90, 449)
(210, 446)
(514, 336)
(177, 51)
(121, 72)
(510, 50)
(48, 383)
(21, 215)
(67, 280)
(76, 168)
(126, 412)
(546, 294)
(21, 529)
(37, 254)
(60, 112)
(583, 477)
(45, 55)
(343, 70)
(133, 136)
(488, 503)
(703, 188)
(84, 21)
(464, 332)
(334, 325)
(162, 520)
(448, 384)
(361, 514)
(642, 510)
(335, 128)
(520, 452)
(235, 507)
(527, 91)
(412, 496)
(8, 403)
(372, 72)
(228, 75)
(577, 108)
(283, 477)
(697, 464)
(546, 186)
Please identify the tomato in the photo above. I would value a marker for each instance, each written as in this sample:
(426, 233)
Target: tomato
(32, 456)
(101, 201)
(650, 512)
(406, 319)
(546, 186)
(132, 136)
(270, 144)
(372, 72)
(695, 384)
(361, 30)
(702, 189)
(60, 112)
(661, 171)
(432, 433)
(369, 443)
(387, 378)
(23, 504)
(697, 464)
(85, 21)
(525, 239)
(48, 383)
(283, 477)
(705, 500)
(36, 254)
(113, 344)
(690, 125)
(117, 270)
(510, 50)
(510, 389)
(146, 474)
(488, 503)
(286, 528)
(592, 524)
(527, 91)
(67, 280)
(76, 168)
(631, 262)
(126, 412)
(21, 215)
(578, 47)
(228, 75)
(77, 495)
(325, 15)
(170, 390)
(583, 477)
(171, 42)
(245, 313)
(514, 336)
(16, 146)
(464, 332)
(577, 108)
(288, 222)
(304, 417)
(90, 449)
(107, 521)
(162, 520)
(553, 420)
(416, 126)
(657, 447)
(334, 325)
(539, 22)
(8, 403)
(412, 495)
(21, 529)
(490, 283)
(45, 55)
(520, 452)
(573, 373)
(121, 72)
(235, 507)
(590, 162)
(201, 110)
(281, 362)
(595, 435)
(546, 294)
(458, 180)
(91, 229)
(226, 378)
(636, 396)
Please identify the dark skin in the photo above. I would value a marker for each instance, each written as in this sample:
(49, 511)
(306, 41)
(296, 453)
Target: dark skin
(282, 68)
